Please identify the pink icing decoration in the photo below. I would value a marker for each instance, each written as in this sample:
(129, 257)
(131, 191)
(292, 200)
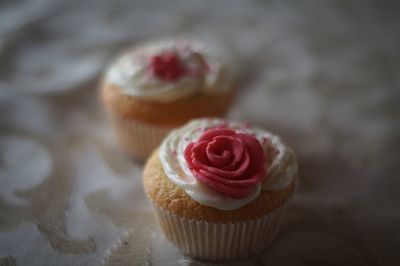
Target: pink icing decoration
(167, 66)
(228, 162)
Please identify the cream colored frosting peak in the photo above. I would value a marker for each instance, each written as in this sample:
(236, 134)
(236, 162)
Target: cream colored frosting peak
(132, 72)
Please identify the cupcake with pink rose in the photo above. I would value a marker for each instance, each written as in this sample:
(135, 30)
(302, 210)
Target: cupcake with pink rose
(220, 188)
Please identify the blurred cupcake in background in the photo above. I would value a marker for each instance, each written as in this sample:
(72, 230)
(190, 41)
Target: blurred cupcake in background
(160, 85)
(220, 188)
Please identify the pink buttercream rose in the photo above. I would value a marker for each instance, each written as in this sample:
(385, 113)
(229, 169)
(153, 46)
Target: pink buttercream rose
(228, 162)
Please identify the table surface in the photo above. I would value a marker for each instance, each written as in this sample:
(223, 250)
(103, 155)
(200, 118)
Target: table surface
(324, 75)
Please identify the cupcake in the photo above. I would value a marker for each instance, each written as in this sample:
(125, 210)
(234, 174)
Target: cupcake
(157, 86)
(220, 188)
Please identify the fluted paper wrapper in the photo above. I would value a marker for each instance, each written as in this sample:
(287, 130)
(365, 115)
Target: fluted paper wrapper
(137, 138)
(220, 242)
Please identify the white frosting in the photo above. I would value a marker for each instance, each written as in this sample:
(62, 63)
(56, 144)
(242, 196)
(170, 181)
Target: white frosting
(282, 165)
(132, 72)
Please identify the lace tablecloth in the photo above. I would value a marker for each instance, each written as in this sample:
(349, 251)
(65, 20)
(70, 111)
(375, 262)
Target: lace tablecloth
(323, 74)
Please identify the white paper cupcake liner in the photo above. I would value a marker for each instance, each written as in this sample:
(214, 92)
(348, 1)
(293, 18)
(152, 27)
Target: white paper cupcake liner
(220, 242)
(138, 138)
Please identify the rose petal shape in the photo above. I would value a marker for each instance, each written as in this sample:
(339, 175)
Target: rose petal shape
(222, 156)
(226, 161)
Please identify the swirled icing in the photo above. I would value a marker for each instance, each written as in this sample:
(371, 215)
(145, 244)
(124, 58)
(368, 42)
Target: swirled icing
(132, 71)
(281, 166)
